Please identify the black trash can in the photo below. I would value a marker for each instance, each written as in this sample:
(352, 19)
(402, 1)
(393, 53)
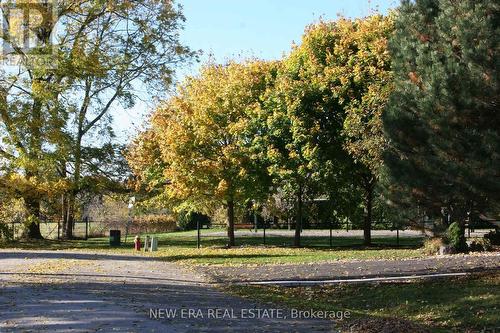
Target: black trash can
(114, 238)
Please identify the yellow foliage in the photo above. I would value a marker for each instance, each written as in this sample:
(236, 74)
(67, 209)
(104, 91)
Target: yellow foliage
(198, 138)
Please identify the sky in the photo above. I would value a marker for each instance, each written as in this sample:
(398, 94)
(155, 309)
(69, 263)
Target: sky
(228, 29)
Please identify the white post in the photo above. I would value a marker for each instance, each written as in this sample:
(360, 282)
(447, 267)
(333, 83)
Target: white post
(154, 244)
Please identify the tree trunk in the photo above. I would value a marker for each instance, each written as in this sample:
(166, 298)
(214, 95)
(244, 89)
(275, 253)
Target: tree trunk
(64, 201)
(230, 223)
(76, 185)
(64, 214)
(249, 214)
(298, 219)
(32, 201)
(33, 207)
(70, 220)
(34, 231)
(367, 228)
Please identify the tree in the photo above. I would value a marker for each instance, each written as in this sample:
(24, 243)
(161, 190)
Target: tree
(205, 139)
(361, 66)
(302, 138)
(442, 119)
(325, 127)
(55, 109)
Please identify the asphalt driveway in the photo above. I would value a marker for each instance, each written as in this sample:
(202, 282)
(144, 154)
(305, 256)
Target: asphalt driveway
(61, 291)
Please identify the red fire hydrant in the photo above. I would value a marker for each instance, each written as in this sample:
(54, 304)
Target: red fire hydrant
(137, 243)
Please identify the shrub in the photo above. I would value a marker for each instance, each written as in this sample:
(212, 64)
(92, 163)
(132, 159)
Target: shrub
(189, 220)
(185, 222)
(456, 238)
(12, 212)
(493, 237)
(154, 223)
(479, 244)
(5, 232)
(432, 245)
(138, 224)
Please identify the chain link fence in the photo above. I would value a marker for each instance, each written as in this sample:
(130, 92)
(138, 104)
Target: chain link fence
(53, 229)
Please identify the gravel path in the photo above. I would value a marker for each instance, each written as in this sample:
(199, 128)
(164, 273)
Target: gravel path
(61, 291)
(353, 269)
(325, 233)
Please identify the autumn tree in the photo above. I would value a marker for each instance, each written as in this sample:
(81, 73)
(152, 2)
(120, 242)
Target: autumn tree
(148, 178)
(325, 111)
(361, 67)
(442, 119)
(55, 103)
(291, 140)
(205, 138)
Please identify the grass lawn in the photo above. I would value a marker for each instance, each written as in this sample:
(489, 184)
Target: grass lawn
(181, 247)
(465, 304)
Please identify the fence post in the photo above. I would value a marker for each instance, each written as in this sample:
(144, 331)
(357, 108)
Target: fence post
(198, 240)
(264, 229)
(86, 228)
(255, 221)
(331, 240)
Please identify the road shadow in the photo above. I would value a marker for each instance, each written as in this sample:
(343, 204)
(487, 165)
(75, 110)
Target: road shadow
(91, 306)
(70, 276)
(15, 254)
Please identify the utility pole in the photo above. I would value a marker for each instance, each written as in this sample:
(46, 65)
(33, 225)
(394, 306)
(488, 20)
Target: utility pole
(131, 203)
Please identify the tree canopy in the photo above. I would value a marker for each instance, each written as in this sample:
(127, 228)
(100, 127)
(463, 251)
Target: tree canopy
(310, 124)
(325, 111)
(205, 138)
(55, 99)
(407, 100)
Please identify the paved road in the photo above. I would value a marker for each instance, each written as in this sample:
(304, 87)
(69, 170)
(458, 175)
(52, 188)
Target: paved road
(61, 291)
(354, 269)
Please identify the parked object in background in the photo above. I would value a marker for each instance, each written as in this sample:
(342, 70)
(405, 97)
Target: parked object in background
(248, 226)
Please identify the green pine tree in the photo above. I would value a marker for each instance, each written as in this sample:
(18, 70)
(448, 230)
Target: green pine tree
(442, 119)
